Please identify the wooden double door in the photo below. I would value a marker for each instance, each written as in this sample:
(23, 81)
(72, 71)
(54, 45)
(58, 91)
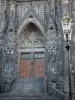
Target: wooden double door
(32, 65)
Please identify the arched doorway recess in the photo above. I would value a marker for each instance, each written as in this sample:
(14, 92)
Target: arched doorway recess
(31, 47)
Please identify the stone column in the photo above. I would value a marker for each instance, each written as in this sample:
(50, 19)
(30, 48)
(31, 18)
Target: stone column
(51, 51)
(10, 49)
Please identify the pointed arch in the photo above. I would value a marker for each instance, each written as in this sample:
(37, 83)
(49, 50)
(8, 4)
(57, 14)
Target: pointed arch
(28, 21)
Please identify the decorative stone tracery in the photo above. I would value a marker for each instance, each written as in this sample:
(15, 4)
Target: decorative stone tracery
(32, 16)
(36, 15)
(51, 48)
(10, 47)
(32, 38)
(40, 8)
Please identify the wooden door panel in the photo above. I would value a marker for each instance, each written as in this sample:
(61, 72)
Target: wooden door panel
(37, 67)
(22, 74)
(27, 68)
(41, 73)
(28, 74)
(24, 68)
(22, 61)
(42, 64)
(36, 74)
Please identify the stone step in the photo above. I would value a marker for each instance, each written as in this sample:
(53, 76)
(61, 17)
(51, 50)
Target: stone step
(26, 85)
(32, 94)
(43, 96)
(26, 98)
(27, 89)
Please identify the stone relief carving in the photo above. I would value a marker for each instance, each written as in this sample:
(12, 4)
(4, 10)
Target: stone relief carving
(51, 36)
(10, 40)
(8, 71)
(10, 37)
(52, 56)
(52, 61)
(52, 7)
(41, 12)
(51, 39)
(32, 39)
(10, 46)
(38, 9)
(51, 46)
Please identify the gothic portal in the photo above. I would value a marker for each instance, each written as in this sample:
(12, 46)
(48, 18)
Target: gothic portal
(32, 52)
(32, 43)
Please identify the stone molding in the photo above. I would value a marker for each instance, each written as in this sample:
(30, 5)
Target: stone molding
(26, 22)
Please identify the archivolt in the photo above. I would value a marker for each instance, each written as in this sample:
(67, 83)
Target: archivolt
(26, 22)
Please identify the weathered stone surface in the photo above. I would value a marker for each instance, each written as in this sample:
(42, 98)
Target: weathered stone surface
(34, 25)
(40, 17)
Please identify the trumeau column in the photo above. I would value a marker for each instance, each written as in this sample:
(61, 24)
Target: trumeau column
(66, 76)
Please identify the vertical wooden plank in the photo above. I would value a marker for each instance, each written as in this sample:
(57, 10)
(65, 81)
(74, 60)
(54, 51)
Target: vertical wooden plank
(39, 69)
(24, 68)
